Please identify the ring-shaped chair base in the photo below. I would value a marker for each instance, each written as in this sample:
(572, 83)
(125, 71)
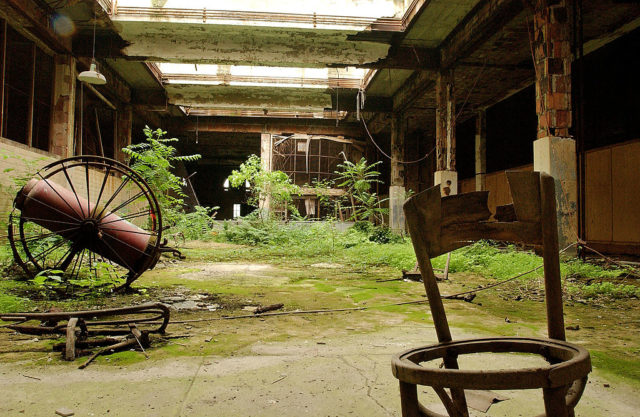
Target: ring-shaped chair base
(562, 380)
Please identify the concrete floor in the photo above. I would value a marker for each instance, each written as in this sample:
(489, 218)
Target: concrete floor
(328, 376)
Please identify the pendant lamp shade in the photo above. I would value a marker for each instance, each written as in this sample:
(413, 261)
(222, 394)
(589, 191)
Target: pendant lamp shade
(92, 76)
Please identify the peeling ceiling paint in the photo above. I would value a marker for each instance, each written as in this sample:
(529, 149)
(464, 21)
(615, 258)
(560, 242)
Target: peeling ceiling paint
(246, 45)
(238, 97)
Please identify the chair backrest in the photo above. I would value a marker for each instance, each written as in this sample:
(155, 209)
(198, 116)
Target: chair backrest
(439, 225)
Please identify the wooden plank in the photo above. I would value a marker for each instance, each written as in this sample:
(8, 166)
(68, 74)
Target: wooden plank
(457, 235)
(503, 193)
(552, 280)
(525, 192)
(625, 190)
(70, 348)
(491, 185)
(467, 185)
(465, 208)
(598, 201)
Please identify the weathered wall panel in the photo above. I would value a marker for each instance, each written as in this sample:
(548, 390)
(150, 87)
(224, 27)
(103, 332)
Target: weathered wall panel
(598, 214)
(625, 192)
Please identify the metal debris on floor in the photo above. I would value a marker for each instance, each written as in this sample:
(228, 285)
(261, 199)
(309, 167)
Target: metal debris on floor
(110, 329)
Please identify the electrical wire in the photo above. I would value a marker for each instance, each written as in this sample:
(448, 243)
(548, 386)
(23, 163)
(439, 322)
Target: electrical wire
(388, 156)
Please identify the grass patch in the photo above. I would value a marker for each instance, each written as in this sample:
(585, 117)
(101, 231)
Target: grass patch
(627, 368)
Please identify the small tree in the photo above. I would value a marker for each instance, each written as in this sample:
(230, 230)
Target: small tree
(272, 186)
(358, 179)
(154, 160)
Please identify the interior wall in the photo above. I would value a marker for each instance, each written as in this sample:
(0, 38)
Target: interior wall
(613, 193)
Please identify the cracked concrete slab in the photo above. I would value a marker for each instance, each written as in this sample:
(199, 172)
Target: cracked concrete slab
(346, 375)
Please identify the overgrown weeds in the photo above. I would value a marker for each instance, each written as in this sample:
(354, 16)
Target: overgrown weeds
(365, 246)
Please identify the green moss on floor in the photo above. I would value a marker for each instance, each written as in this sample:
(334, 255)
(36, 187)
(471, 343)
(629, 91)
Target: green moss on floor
(608, 327)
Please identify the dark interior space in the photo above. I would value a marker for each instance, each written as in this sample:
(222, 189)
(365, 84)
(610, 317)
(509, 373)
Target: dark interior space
(96, 133)
(208, 183)
(611, 84)
(511, 130)
(42, 100)
(221, 154)
(17, 95)
(419, 175)
(466, 149)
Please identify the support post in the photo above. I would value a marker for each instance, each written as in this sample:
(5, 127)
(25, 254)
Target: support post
(32, 97)
(481, 151)
(266, 155)
(124, 124)
(3, 71)
(396, 189)
(446, 174)
(64, 97)
(554, 150)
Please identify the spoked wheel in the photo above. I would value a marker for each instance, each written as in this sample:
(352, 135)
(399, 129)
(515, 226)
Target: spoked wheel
(91, 217)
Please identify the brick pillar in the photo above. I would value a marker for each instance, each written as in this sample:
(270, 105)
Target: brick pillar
(124, 123)
(446, 174)
(62, 114)
(554, 150)
(481, 151)
(396, 189)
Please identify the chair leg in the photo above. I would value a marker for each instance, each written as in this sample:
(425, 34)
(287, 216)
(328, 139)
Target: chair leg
(555, 403)
(409, 400)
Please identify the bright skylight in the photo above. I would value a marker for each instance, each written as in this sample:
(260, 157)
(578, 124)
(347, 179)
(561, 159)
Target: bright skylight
(170, 68)
(362, 8)
(257, 76)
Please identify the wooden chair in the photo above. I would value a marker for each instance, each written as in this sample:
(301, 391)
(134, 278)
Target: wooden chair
(439, 225)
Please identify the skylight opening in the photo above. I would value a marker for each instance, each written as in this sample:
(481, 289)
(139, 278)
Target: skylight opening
(256, 76)
(171, 68)
(362, 8)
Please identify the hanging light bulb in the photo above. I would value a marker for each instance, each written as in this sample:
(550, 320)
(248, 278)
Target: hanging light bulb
(93, 76)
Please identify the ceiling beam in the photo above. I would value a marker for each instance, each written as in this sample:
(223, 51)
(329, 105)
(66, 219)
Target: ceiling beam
(107, 46)
(407, 57)
(414, 88)
(345, 100)
(264, 125)
(31, 17)
(151, 98)
(484, 21)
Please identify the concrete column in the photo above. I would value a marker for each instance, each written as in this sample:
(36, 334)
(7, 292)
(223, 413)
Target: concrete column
(554, 150)
(62, 113)
(396, 188)
(446, 174)
(481, 151)
(124, 123)
(266, 155)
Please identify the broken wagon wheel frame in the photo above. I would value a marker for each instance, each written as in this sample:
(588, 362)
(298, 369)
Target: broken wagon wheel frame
(86, 225)
(90, 318)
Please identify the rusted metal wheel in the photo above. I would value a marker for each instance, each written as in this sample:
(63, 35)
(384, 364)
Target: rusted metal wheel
(88, 216)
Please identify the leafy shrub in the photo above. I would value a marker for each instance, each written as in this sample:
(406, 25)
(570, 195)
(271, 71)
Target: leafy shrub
(196, 225)
(272, 186)
(357, 179)
(153, 159)
(382, 234)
